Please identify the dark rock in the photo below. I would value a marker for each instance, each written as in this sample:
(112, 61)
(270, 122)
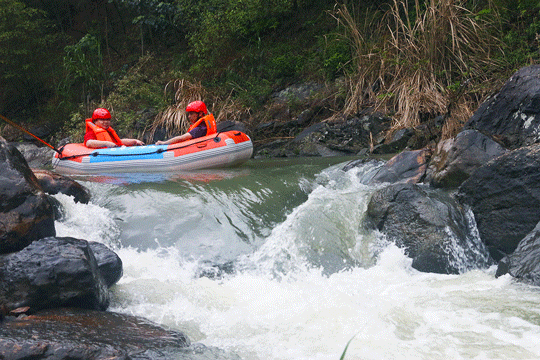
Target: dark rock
(159, 133)
(318, 128)
(356, 163)
(524, 262)
(432, 228)
(229, 125)
(26, 212)
(36, 157)
(273, 149)
(41, 131)
(77, 334)
(298, 92)
(408, 167)
(305, 117)
(324, 138)
(53, 183)
(456, 159)
(109, 263)
(52, 272)
(512, 116)
(397, 143)
(354, 134)
(504, 195)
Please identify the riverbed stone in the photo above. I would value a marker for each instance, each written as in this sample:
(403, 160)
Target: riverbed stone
(407, 166)
(52, 272)
(504, 195)
(37, 157)
(456, 159)
(512, 116)
(524, 262)
(53, 183)
(109, 263)
(80, 334)
(26, 212)
(431, 227)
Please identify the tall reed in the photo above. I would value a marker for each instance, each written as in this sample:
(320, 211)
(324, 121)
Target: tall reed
(174, 118)
(416, 62)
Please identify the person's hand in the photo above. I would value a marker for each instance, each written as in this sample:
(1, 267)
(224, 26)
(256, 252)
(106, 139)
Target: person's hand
(159, 142)
(139, 143)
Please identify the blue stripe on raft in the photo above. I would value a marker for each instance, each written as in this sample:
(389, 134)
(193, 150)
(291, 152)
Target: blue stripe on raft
(147, 152)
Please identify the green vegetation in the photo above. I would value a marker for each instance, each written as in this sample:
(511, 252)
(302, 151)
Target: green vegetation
(411, 59)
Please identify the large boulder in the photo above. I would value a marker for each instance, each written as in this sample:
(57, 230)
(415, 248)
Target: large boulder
(524, 262)
(52, 272)
(407, 166)
(53, 183)
(325, 138)
(36, 157)
(512, 116)
(26, 212)
(433, 229)
(79, 334)
(109, 263)
(504, 195)
(455, 159)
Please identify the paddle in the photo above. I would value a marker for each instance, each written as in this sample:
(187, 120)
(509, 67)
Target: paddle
(29, 133)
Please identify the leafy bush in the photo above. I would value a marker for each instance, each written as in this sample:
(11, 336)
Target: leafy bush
(83, 64)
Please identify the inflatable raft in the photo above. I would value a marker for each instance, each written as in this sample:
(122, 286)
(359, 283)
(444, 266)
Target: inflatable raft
(213, 151)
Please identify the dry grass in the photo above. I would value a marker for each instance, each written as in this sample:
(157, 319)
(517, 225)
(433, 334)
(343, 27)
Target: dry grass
(415, 68)
(174, 118)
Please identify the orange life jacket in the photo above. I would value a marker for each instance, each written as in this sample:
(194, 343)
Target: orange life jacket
(103, 134)
(211, 127)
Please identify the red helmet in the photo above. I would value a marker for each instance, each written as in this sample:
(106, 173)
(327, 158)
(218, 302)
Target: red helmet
(101, 113)
(197, 106)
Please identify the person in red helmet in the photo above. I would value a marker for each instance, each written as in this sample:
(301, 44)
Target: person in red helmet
(99, 132)
(202, 124)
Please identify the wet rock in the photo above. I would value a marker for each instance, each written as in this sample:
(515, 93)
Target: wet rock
(504, 195)
(397, 143)
(52, 272)
(456, 159)
(407, 167)
(53, 183)
(26, 212)
(78, 334)
(512, 116)
(36, 157)
(41, 131)
(432, 228)
(109, 263)
(524, 262)
(229, 125)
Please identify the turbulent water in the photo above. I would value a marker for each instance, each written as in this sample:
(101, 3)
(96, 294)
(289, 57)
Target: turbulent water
(271, 261)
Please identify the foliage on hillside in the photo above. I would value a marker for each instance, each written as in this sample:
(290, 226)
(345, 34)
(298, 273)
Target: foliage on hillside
(412, 59)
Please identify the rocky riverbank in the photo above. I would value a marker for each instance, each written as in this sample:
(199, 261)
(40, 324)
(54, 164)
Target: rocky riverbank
(486, 178)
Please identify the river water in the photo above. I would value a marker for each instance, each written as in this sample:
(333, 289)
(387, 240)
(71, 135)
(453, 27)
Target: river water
(271, 261)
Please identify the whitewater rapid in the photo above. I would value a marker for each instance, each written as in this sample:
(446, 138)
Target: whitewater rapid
(294, 274)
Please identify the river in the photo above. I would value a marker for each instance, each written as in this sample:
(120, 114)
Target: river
(271, 261)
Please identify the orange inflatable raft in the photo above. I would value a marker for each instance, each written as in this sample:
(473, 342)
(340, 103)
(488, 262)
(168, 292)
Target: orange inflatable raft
(223, 149)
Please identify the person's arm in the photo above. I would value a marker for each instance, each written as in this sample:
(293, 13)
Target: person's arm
(99, 144)
(180, 138)
(132, 142)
